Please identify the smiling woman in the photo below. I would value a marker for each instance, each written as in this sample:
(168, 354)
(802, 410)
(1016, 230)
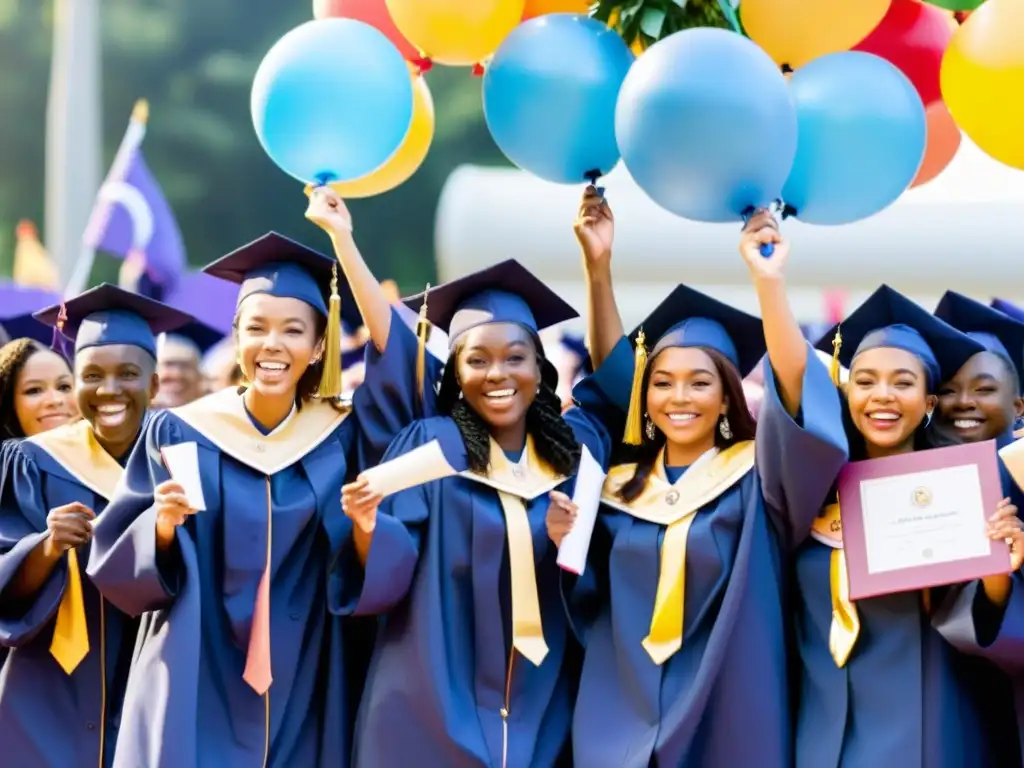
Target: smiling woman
(36, 390)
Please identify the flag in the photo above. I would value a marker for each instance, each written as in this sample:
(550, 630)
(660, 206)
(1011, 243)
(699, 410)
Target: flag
(33, 267)
(132, 220)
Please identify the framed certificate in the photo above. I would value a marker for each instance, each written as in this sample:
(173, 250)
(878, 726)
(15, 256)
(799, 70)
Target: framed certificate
(920, 519)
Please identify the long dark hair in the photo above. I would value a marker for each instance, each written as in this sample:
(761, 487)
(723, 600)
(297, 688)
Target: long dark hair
(553, 438)
(741, 424)
(309, 382)
(13, 357)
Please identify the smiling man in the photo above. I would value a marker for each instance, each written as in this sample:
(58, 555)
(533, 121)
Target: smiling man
(71, 650)
(179, 358)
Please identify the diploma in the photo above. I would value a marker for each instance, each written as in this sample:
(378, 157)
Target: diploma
(182, 461)
(572, 553)
(920, 520)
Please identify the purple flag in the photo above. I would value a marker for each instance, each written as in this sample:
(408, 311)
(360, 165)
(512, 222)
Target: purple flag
(131, 218)
(209, 300)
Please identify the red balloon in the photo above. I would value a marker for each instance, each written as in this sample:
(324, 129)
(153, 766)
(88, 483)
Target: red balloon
(912, 36)
(374, 13)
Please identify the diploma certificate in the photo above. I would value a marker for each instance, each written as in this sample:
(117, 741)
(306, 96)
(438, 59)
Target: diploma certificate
(920, 520)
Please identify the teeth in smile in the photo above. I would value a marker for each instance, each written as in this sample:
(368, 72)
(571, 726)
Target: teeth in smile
(501, 393)
(272, 366)
(885, 416)
(682, 416)
(111, 409)
(966, 423)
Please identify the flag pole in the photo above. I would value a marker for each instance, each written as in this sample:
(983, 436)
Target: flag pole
(102, 208)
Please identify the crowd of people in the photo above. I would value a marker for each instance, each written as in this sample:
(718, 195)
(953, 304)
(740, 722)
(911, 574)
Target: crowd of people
(263, 602)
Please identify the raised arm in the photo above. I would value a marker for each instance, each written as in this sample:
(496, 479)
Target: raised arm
(787, 350)
(595, 230)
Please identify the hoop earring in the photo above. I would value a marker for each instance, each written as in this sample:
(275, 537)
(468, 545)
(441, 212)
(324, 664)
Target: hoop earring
(649, 429)
(724, 429)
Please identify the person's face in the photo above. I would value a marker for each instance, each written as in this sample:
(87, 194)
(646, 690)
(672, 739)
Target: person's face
(685, 396)
(115, 385)
(277, 342)
(979, 402)
(177, 366)
(888, 397)
(499, 372)
(44, 393)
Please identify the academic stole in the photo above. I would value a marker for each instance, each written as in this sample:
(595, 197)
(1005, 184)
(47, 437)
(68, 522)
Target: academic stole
(845, 627)
(675, 506)
(74, 447)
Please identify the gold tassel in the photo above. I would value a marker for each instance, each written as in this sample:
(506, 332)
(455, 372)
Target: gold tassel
(837, 344)
(330, 379)
(422, 334)
(634, 417)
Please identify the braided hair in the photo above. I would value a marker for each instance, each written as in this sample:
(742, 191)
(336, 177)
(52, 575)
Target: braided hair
(741, 423)
(553, 438)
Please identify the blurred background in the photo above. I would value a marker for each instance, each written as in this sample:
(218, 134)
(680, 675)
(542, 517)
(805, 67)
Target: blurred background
(71, 72)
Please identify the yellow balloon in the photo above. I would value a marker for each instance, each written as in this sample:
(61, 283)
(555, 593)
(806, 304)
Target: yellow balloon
(982, 79)
(793, 32)
(458, 33)
(406, 160)
(536, 8)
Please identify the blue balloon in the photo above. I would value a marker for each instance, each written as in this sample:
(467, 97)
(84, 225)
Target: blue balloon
(706, 125)
(862, 138)
(549, 96)
(332, 101)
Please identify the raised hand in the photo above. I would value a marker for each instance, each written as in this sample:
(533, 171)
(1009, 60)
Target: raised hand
(760, 229)
(328, 211)
(595, 228)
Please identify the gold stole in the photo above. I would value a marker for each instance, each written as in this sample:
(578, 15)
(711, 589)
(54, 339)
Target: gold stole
(74, 447)
(221, 418)
(517, 484)
(675, 506)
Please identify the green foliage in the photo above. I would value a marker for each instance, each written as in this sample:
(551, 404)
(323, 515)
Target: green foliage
(194, 61)
(651, 20)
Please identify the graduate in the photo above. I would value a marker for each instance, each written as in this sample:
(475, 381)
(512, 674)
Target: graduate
(179, 358)
(239, 662)
(470, 666)
(681, 608)
(880, 681)
(37, 390)
(62, 685)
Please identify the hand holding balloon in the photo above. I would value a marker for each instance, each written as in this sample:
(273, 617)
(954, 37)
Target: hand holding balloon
(328, 211)
(762, 230)
(595, 229)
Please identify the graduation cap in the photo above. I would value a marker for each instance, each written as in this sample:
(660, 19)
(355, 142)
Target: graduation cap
(278, 266)
(17, 305)
(505, 293)
(1008, 309)
(996, 331)
(108, 315)
(24, 327)
(889, 319)
(196, 334)
(689, 318)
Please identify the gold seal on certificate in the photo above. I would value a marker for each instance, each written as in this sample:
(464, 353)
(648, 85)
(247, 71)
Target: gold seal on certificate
(920, 519)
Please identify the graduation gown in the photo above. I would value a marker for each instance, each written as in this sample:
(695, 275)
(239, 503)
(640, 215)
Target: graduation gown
(446, 686)
(722, 698)
(48, 717)
(187, 703)
(910, 666)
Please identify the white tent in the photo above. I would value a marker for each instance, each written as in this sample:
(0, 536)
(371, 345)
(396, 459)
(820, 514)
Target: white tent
(960, 231)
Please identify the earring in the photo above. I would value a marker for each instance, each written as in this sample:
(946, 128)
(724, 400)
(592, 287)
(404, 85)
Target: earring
(724, 429)
(649, 429)
(460, 394)
(927, 418)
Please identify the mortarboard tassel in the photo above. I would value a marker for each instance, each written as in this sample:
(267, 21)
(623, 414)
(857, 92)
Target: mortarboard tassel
(634, 418)
(57, 345)
(330, 379)
(833, 369)
(422, 333)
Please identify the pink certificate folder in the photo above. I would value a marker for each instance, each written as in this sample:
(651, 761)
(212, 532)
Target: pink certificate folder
(918, 505)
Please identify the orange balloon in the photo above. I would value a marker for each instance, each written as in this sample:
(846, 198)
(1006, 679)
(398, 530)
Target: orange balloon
(943, 141)
(540, 7)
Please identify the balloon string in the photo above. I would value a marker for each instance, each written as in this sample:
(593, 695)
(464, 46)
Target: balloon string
(423, 64)
(478, 70)
(592, 177)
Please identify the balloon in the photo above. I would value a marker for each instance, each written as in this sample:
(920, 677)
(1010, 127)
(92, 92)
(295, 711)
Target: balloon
(862, 138)
(913, 36)
(549, 96)
(331, 101)
(794, 32)
(943, 141)
(706, 125)
(456, 32)
(983, 79)
(373, 12)
(409, 157)
(536, 8)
